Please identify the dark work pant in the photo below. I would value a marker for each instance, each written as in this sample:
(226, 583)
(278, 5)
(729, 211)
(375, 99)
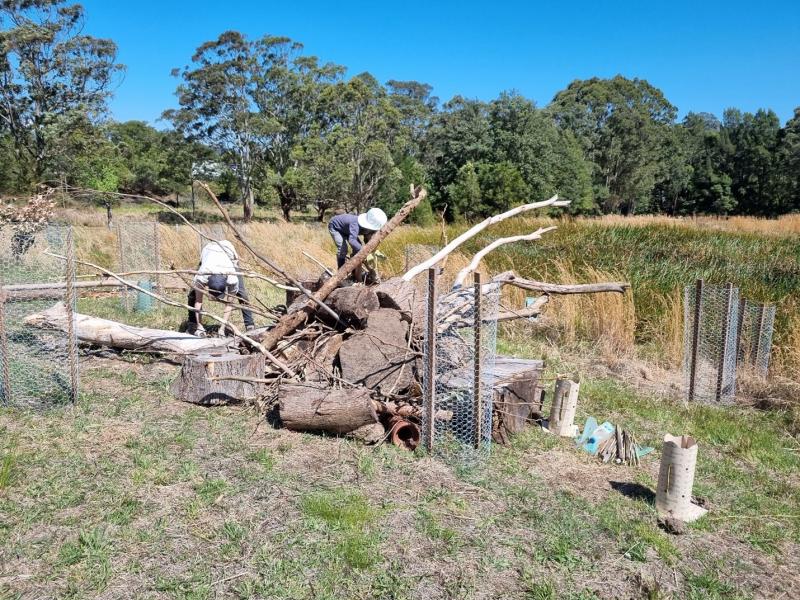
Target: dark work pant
(244, 301)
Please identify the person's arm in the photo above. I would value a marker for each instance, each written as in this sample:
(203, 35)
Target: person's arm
(198, 304)
(353, 240)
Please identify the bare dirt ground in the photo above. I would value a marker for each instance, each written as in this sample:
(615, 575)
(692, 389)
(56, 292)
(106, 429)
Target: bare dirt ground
(131, 494)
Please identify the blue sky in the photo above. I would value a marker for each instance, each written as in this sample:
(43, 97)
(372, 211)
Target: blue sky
(705, 56)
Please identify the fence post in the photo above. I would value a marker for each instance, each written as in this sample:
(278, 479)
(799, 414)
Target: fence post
(762, 310)
(726, 326)
(740, 326)
(4, 350)
(478, 322)
(698, 305)
(430, 365)
(69, 299)
(157, 244)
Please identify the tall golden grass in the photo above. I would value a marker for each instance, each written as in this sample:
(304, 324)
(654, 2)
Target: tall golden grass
(784, 225)
(608, 320)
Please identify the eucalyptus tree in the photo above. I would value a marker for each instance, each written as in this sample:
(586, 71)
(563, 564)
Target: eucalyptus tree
(254, 102)
(53, 78)
(622, 125)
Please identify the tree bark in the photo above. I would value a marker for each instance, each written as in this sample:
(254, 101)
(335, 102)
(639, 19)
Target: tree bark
(353, 305)
(197, 384)
(304, 408)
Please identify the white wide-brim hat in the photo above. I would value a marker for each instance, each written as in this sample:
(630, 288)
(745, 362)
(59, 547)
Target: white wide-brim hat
(373, 219)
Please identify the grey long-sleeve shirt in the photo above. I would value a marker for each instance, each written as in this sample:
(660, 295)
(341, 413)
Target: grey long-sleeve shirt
(347, 226)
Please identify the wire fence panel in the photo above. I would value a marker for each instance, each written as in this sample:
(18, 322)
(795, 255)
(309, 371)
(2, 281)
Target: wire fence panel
(138, 249)
(756, 324)
(213, 231)
(417, 253)
(38, 367)
(710, 340)
(457, 421)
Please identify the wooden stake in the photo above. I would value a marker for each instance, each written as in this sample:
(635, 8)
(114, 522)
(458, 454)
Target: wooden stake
(430, 364)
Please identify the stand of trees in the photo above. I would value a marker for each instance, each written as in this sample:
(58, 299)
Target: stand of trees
(298, 133)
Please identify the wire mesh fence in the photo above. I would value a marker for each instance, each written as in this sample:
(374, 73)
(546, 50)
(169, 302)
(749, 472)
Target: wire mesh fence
(417, 253)
(39, 366)
(138, 251)
(459, 357)
(756, 324)
(710, 344)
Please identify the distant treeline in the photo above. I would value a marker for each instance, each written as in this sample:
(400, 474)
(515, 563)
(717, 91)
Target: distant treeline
(276, 126)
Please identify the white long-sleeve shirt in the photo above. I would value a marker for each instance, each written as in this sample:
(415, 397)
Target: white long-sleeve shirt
(218, 258)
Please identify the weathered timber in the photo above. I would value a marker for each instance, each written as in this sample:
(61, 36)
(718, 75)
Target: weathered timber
(378, 356)
(202, 379)
(517, 397)
(103, 332)
(322, 409)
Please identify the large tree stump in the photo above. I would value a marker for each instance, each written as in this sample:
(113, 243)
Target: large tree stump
(305, 408)
(195, 383)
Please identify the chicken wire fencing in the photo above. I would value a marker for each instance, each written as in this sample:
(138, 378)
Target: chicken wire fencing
(417, 253)
(459, 359)
(756, 324)
(138, 253)
(38, 356)
(710, 318)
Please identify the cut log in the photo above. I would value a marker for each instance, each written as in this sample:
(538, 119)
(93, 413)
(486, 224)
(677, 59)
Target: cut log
(378, 356)
(103, 332)
(202, 378)
(305, 408)
(353, 305)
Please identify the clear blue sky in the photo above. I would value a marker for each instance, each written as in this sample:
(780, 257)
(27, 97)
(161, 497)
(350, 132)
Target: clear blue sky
(705, 56)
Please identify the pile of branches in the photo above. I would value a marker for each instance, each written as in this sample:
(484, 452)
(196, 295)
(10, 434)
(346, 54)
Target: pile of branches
(341, 358)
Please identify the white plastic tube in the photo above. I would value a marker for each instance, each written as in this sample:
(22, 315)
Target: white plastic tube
(676, 479)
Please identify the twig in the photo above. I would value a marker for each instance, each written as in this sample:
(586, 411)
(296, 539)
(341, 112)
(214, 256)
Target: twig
(318, 263)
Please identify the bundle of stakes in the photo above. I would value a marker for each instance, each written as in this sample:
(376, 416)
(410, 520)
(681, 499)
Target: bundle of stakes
(341, 358)
(620, 447)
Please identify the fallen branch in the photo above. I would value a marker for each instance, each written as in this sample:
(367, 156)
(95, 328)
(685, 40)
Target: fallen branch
(103, 332)
(473, 231)
(510, 278)
(293, 320)
(476, 260)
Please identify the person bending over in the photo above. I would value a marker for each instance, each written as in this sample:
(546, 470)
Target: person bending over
(216, 275)
(345, 230)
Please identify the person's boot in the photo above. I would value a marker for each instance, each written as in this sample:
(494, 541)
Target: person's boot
(200, 331)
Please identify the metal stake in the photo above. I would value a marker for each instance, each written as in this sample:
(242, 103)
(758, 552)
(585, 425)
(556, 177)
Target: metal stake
(6, 398)
(478, 399)
(698, 304)
(72, 342)
(726, 326)
(430, 366)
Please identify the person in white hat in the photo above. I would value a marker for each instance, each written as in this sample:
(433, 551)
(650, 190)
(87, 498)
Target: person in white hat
(346, 230)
